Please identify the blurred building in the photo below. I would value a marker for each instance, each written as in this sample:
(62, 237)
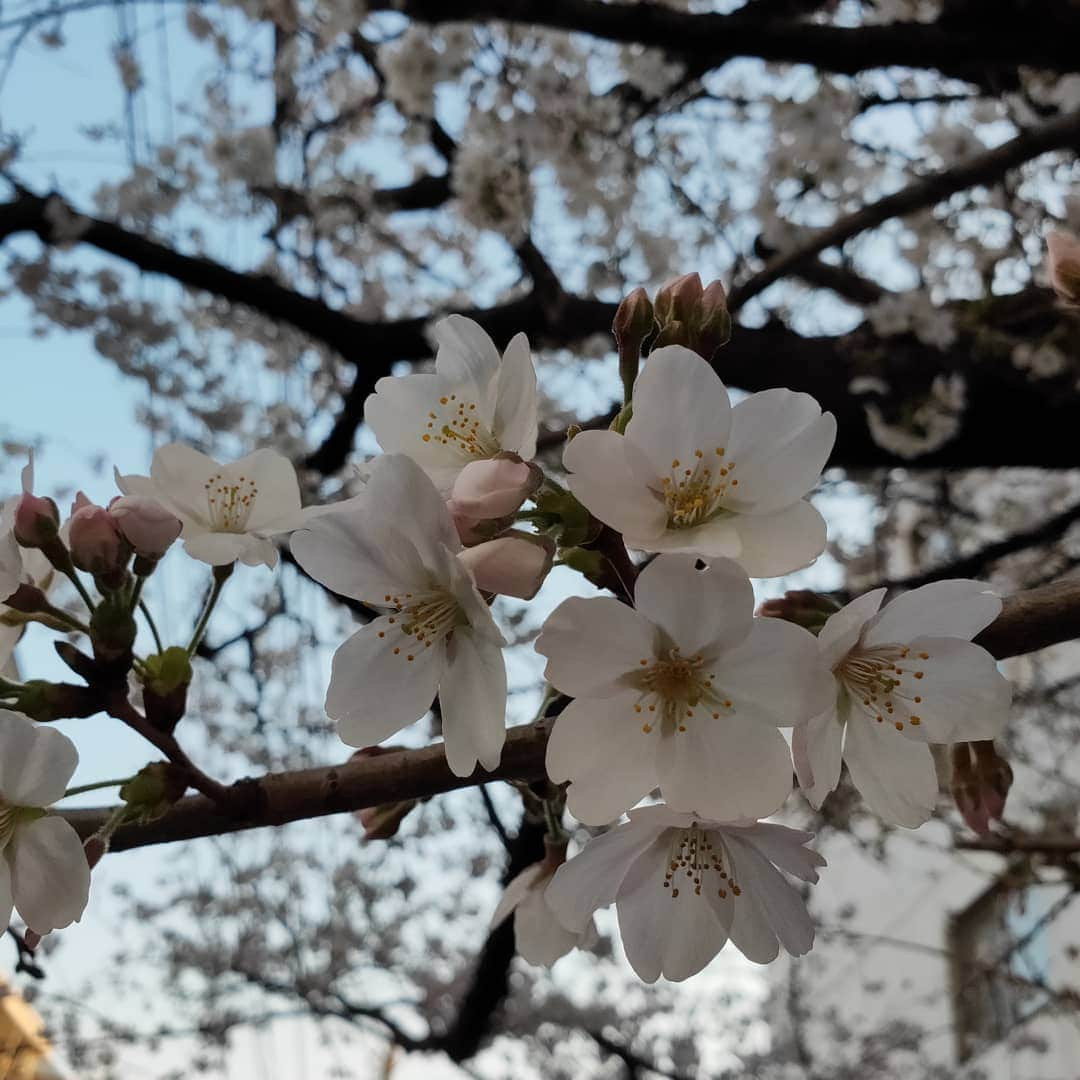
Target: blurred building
(25, 1053)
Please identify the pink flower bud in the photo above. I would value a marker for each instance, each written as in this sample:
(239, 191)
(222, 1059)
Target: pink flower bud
(37, 520)
(981, 779)
(96, 543)
(382, 822)
(515, 564)
(146, 524)
(1063, 265)
(678, 300)
(493, 488)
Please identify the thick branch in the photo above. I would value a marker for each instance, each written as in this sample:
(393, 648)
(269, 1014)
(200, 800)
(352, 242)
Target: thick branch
(1029, 621)
(1004, 35)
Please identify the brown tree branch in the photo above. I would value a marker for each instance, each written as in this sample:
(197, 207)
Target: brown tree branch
(1060, 133)
(1029, 620)
(1005, 35)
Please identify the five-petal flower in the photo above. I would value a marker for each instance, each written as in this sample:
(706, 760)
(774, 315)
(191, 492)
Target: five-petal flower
(43, 871)
(394, 546)
(472, 407)
(685, 691)
(905, 676)
(692, 474)
(228, 512)
(682, 886)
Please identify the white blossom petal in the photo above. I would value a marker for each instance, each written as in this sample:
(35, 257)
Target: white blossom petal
(770, 912)
(374, 692)
(701, 611)
(179, 474)
(276, 507)
(355, 554)
(600, 747)
(725, 769)
(964, 698)
(782, 846)
(50, 878)
(680, 405)
(466, 355)
(591, 879)
(473, 699)
(718, 539)
(222, 548)
(843, 628)
(955, 608)
(538, 935)
(894, 775)
(776, 675)
(36, 762)
(817, 749)
(780, 542)
(601, 479)
(780, 442)
(516, 890)
(617, 638)
(672, 932)
(516, 401)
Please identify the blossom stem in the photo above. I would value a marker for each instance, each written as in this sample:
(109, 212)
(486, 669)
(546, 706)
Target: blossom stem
(73, 577)
(82, 788)
(552, 818)
(221, 575)
(136, 591)
(153, 626)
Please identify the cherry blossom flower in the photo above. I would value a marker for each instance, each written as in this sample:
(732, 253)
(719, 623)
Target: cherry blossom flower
(685, 692)
(905, 676)
(474, 406)
(538, 935)
(43, 871)
(146, 525)
(394, 546)
(692, 474)
(228, 511)
(683, 886)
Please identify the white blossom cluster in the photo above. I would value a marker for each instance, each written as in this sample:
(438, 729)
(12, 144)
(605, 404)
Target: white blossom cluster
(673, 689)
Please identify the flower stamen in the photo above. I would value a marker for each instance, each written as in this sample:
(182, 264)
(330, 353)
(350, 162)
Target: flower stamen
(230, 502)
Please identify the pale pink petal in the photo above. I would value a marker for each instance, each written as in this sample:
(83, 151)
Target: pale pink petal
(725, 769)
(672, 931)
(50, 879)
(776, 675)
(680, 406)
(473, 699)
(36, 762)
(599, 745)
(590, 644)
(841, 631)
(516, 400)
(375, 692)
(894, 775)
(784, 847)
(780, 542)
(538, 935)
(591, 879)
(601, 480)
(955, 608)
(816, 747)
(700, 611)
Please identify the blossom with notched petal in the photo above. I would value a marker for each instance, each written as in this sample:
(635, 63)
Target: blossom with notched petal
(394, 546)
(905, 676)
(684, 691)
(228, 512)
(43, 871)
(683, 886)
(472, 407)
(692, 474)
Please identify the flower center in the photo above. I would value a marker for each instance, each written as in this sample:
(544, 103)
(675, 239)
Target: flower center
(230, 502)
(694, 493)
(456, 424)
(673, 688)
(421, 620)
(884, 682)
(700, 856)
